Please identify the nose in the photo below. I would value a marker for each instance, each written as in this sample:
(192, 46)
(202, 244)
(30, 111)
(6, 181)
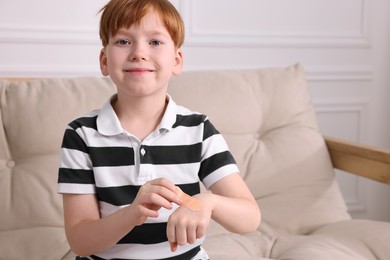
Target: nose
(138, 53)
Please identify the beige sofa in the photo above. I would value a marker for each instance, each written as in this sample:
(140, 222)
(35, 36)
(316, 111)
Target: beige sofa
(267, 117)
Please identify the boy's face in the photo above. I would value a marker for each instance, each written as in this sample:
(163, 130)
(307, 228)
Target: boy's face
(141, 59)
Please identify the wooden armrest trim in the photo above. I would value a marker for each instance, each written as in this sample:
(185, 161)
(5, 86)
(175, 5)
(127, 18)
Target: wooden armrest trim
(367, 161)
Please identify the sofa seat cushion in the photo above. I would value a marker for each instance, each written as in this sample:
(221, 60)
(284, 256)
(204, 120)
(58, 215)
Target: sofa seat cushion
(253, 246)
(43, 243)
(347, 240)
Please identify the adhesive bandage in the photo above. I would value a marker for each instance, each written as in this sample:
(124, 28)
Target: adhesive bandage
(188, 201)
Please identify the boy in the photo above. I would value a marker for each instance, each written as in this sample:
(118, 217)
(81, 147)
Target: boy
(124, 167)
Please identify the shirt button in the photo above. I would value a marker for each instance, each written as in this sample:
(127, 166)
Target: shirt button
(143, 152)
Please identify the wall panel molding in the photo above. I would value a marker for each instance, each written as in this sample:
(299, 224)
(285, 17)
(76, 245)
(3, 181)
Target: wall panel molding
(277, 41)
(197, 36)
(48, 71)
(206, 37)
(340, 73)
(313, 73)
(48, 35)
(355, 107)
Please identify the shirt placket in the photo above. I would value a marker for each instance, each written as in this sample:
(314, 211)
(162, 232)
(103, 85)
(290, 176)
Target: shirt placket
(142, 165)
(145, 168)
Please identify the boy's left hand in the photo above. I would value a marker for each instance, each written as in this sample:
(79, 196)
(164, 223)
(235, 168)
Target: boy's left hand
(185, 226)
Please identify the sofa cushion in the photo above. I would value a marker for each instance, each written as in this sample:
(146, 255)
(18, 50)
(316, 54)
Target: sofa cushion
(43, 243)
(253, 246)
(347, 240)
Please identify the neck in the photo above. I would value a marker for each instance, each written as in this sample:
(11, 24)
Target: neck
(141, 115)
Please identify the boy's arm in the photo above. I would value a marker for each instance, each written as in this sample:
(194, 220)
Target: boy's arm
(233, 205)
(88, 233)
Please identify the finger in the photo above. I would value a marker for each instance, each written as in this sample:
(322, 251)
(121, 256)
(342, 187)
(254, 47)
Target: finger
(149, 212)
(200, 231)
(158, 200)
(166, 189)
(141, 213)
(191, 234)
(181, 235)
(165, 183)
(171, 235)
(155, 196)
(173, 246)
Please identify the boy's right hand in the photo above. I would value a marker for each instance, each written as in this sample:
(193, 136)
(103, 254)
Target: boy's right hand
(151, 197)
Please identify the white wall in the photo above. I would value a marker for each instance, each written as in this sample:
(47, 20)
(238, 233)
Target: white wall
(343, 44)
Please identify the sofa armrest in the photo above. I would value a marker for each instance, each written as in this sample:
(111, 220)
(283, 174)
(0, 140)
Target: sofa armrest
(367, 161)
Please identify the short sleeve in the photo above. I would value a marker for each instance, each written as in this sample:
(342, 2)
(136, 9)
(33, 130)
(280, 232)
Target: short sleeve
(217, 160)
(75, 173)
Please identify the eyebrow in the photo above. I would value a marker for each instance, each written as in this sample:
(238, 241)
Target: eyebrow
(152, 33)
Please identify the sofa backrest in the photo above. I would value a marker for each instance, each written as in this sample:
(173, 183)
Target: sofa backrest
(266, 115)
(33, 116)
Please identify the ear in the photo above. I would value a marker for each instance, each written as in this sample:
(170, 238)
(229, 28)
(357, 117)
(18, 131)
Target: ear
(103, 62)
(178, 66)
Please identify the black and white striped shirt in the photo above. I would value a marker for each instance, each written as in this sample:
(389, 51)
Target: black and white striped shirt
(99, 157)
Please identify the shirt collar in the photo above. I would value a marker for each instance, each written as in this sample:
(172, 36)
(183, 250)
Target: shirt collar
(169, 117)
(108, 122)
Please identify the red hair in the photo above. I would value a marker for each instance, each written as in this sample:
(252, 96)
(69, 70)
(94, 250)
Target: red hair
(117, 14)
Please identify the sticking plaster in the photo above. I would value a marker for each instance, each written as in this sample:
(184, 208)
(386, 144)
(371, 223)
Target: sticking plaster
(188, 201)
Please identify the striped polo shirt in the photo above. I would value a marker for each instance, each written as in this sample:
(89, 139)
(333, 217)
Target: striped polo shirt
(99, 157)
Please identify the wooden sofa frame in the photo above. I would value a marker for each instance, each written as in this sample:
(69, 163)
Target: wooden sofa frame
(362, 160)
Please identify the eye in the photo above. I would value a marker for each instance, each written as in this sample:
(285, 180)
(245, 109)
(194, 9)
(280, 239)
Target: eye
(123, 42)
(155, 43)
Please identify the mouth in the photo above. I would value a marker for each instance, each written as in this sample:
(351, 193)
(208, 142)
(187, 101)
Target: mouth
(138, 70)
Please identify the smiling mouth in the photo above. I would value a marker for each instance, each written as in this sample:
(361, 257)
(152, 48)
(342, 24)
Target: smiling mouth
(138, 70)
